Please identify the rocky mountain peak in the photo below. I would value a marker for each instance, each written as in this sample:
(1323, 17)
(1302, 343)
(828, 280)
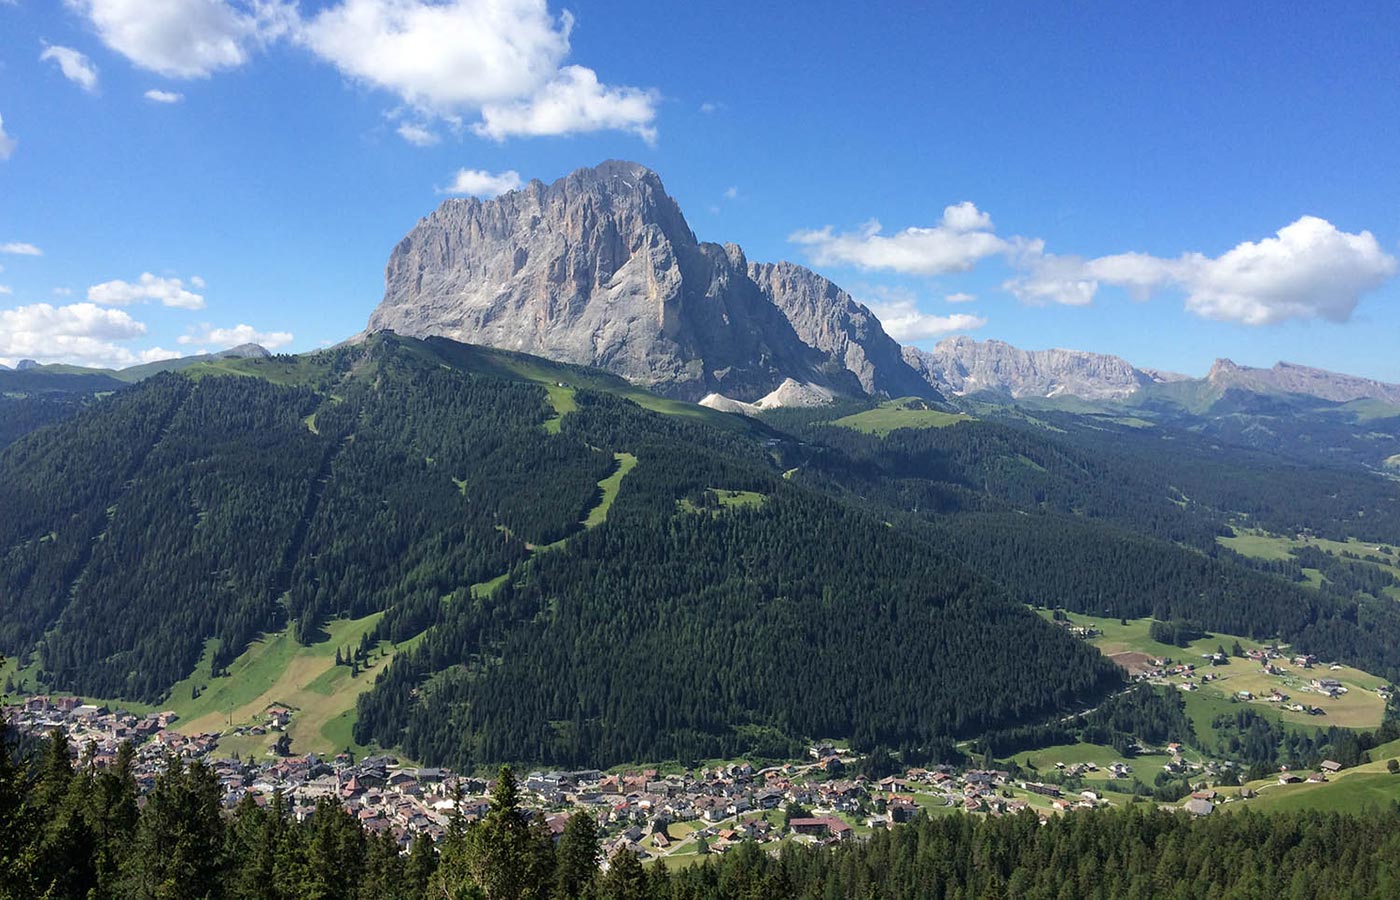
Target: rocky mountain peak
(601, 268)
(1292, 378)
(962, 365)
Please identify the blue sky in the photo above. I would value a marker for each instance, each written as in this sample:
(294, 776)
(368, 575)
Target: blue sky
(1169, 184)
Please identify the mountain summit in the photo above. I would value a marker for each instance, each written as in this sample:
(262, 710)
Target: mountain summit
(600, 268)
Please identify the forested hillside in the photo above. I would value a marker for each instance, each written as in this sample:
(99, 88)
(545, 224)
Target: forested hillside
(744, 586)
(672, 633)
(187, 508)
(241, 496)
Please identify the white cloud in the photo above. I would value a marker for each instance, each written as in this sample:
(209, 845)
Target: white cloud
(904, 321)
(709, 106)
(1309, 270)
(443, 56)
(962, 238)
(731, 193)
(21, 249)
(418, 134)
(6, 289)
(159, 96)
(7, 143)
(186, 38)
(575, 101)
(222, 338)
(76, 67)
(62, 292)
(480, 183)
(502, 59)
(1049, 278)
(959, 297)
(169, 291)
(80, 333)
(156, 354)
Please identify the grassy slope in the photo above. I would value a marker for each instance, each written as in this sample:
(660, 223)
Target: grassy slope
(1263, 545)
(626, 462)
(1360, 707)
(1368, 784)
(276, 670)
(729, 499)
(902, 413)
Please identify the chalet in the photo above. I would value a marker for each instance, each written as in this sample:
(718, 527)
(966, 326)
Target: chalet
(825, 826)
(1289, 778)
(1045, 790)
(1198, 807)
(1331, 766)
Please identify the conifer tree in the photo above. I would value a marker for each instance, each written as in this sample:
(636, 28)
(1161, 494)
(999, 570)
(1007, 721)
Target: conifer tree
(578, 856)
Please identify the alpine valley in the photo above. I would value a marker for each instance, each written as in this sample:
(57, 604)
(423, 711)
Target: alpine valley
(589, 492)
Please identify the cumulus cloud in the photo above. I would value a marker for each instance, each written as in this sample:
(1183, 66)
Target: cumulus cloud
(81, 333)
(904, 321)
(186, 38)
(7, 143)
(961, 239)
(959, 297)
(418, 134)
(1309, 270)
(501, 58)
(76, 67)
(158, 96)
(6, 289)
(575, 101)
(481, 183)
(221, 338)
(169, 291)
(21, 249)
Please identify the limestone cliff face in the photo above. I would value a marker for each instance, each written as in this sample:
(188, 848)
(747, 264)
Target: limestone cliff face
(1291, 378)
(600, 268)
(826, 317)
(961, 365)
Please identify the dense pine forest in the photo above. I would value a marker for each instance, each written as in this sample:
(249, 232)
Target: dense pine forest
(75, 831)
(862, 587)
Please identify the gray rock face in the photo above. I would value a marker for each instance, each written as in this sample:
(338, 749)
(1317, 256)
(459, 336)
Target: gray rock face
(828, 318)
(245, 351)
(961, 365)
(1290, 378)
(600, 268)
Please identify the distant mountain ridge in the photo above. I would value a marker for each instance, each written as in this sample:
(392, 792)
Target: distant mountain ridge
(601, 268)
(960, 366)
(1291, 378)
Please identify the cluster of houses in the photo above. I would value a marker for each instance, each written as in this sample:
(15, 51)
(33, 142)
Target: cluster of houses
(718, 806)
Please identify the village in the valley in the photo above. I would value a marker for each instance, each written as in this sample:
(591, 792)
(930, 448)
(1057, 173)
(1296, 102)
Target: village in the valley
(656, 814)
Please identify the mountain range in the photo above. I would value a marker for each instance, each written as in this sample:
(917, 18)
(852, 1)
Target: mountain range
(601, 268)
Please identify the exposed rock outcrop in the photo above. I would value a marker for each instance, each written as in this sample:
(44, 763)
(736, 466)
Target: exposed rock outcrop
(961, 365)
(1291, 378)
(600, 268)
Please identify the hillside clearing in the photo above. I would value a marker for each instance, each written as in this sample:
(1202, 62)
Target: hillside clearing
(903, 413)
(1359, 707)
